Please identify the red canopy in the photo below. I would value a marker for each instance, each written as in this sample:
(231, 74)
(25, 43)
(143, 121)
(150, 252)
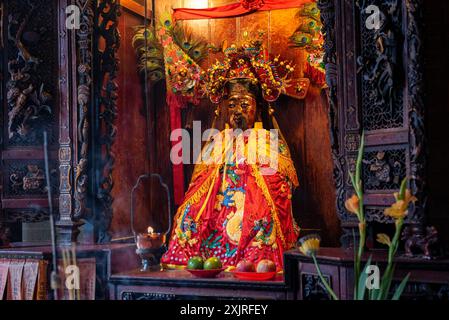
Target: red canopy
(236, 9)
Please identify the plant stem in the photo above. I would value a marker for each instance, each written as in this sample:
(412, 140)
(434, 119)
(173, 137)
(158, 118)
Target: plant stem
(387, 276)
(395, 243)
(320, 274)
(358, 188)
(362, 238)
(358, 260)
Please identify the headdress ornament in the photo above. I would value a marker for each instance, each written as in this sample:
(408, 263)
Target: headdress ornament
(249, 61)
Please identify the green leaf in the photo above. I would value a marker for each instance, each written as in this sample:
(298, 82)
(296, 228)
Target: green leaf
(354, 185)
(401, 288)
(358, 170)
(386, 283)
(362, 281)
(374, 293)
(356, 264)
(323, 280)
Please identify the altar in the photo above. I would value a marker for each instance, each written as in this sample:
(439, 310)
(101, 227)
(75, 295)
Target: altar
(298, 282)
(181, 285)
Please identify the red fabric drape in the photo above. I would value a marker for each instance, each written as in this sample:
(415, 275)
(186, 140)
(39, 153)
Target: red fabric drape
(175, 104)
(233, 10)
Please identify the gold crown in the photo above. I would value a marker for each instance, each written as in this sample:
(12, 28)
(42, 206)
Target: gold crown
(249, 61)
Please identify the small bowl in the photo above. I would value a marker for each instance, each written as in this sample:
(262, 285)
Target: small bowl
(254, 276)
(201, 273)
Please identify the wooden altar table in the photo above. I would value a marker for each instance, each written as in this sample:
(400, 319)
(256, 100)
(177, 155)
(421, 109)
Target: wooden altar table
(180, 284)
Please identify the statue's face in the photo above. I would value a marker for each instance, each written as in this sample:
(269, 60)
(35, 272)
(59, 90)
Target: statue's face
(241, 109)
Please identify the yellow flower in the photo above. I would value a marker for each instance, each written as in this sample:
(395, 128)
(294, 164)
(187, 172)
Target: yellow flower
(309, 245)
(384, 239)
(352, 204)
(399, 209)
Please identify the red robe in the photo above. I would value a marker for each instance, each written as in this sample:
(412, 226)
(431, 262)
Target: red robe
(245, 215)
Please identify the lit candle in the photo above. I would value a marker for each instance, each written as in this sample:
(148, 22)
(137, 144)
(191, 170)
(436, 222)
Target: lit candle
(150, 239)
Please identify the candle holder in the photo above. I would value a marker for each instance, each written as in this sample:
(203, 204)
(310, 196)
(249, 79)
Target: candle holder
(150, 245)
(150, 248)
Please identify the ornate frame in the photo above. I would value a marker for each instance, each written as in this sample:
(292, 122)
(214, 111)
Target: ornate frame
(93, 94)
(348, 62)
(106, 29)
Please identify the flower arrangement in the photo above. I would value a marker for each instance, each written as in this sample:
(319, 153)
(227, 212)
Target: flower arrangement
(398, 211)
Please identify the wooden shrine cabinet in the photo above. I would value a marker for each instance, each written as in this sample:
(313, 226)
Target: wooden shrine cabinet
(58, 79)
(64, 81)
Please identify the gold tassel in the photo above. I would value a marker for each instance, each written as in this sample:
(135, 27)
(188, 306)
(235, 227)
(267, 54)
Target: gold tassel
(208, 195)
(276, 125)
(263, 186)
(226, 148)
(285, 164)
(196, 197)
(287, 168)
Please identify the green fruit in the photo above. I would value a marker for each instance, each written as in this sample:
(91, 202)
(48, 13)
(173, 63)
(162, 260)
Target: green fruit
(212, 263)
(195, 263)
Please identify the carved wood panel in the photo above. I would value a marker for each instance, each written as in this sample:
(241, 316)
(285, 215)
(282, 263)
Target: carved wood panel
(31, 60)
(85, 155)
(375, 85)
(30, 106)
(313, 288)
(26, 178)
(106, 87)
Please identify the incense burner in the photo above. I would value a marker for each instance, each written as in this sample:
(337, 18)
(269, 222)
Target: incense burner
(150, 247)
(150, 240)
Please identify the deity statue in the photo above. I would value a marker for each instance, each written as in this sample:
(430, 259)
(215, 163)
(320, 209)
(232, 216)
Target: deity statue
(238, 205)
